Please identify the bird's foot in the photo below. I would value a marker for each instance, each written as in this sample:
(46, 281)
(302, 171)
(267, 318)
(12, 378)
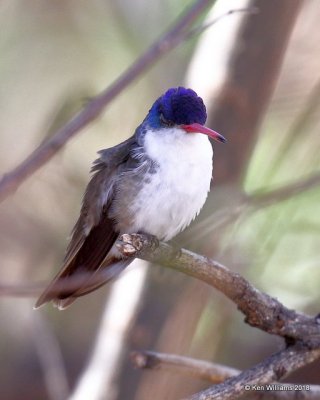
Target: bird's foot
(130, 244)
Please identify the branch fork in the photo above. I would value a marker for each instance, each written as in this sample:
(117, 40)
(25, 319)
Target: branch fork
(301, 332)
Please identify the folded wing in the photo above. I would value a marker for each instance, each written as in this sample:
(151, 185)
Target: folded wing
(93, 235)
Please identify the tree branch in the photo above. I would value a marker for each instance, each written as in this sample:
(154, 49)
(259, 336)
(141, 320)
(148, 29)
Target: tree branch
(262, 198)
(302, 332)
(208, 371)
(214, 373)
(261, 310)
(272, 369)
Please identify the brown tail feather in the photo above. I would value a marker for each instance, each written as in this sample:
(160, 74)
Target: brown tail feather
(113, 267)
(82, 263)
(109, 269)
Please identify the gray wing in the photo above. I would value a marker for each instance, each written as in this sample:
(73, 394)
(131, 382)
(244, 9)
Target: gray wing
(94, 233)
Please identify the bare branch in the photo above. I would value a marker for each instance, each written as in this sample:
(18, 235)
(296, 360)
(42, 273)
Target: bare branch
(200, 29)
(302, 332)
(261, 310)
(208, 371)
(274, 368)
(215, 373)
(263, 198)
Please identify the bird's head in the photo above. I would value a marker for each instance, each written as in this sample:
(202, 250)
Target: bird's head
(180, 108)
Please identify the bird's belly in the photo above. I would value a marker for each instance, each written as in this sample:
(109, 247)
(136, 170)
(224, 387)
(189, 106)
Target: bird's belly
(171, 200)
(163, 195)
(167, 214)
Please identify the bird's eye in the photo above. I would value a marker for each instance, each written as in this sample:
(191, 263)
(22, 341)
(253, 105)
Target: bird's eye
(164, 121)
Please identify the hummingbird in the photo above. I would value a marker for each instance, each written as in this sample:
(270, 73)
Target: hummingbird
(155, 182)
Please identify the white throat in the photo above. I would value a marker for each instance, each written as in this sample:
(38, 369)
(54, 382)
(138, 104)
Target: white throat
(174, 146)
(179, 188)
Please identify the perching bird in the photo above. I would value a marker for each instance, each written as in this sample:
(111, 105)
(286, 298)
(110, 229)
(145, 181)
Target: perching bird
(155, 182)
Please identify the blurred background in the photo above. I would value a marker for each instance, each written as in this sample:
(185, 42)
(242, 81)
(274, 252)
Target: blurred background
(259, 76)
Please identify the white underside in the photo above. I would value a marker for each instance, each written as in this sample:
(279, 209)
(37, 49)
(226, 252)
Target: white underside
(179, 188)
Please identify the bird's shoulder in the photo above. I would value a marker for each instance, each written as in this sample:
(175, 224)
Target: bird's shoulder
(99, 193)
(114, 156)
(106, 171)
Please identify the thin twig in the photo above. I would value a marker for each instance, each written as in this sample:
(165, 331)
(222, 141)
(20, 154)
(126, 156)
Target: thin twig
(208, 371)
(215, 373)
(198, 30)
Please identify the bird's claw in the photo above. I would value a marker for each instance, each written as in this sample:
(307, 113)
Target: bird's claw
(129, 245)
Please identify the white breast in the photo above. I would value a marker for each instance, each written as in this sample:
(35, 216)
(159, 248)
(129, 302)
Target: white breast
(175, 194)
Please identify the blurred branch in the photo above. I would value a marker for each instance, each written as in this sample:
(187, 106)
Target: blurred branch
(70, 283)
(265, 199)
(198, 30)
(261, 310)
(212, 372)
(273, 368)
(50, 357)
(208, 371)
(21, 289)
(298, 126)
(250, 203)
(252, 71)
(103, 367)
(171, 39)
